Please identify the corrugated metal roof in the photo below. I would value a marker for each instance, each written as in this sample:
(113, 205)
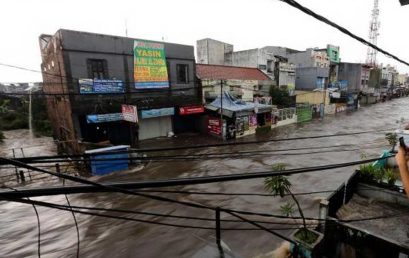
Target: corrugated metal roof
(221, 72)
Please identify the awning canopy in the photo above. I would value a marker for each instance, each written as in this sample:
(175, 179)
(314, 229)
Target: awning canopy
(232, 106)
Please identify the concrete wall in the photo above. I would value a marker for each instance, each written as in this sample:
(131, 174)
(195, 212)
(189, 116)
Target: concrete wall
(310, 58)
(210, 51)
(352, 73)
(312, 97)
(302, 59)
(306, 78)
(246, 58)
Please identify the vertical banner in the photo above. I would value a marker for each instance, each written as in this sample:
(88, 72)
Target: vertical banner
(150, 69)
(130, 113)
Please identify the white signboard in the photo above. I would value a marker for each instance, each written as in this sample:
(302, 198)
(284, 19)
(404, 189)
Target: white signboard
(130, 113)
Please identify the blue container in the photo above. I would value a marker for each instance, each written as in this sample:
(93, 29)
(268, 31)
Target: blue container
(104, 167)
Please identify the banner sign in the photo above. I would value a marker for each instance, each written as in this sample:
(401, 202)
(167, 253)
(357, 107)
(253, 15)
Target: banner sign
(333, 53)
(130, 113)
(103, 118)
(214, 126)
(157, 112)
(150, 69)
(98, 86)
(191, 110)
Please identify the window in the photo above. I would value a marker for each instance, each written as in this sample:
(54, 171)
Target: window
(182, 72)
(269, 66)
(262, 67)
(97, 68)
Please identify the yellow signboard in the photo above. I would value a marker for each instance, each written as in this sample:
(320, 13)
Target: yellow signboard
(150, 70)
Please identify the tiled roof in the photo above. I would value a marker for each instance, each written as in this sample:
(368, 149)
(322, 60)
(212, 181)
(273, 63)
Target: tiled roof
(221, 72)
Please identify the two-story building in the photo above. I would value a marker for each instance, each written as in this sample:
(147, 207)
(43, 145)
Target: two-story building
(270, 59)
(117, 90)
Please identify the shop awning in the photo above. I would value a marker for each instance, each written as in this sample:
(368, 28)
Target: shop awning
(232, 106)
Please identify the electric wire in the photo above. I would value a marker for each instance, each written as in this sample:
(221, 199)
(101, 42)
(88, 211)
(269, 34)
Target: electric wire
(341, 29)
(75, 221)
(38, 221)
(237, 143)
(66, 208)
(78, 209)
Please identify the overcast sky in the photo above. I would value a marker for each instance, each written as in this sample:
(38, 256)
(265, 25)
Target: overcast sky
(243, 23)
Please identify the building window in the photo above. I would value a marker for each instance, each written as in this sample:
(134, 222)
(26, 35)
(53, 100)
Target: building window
(262, 67)
(97, 68)
(269, 66)
(182, 71)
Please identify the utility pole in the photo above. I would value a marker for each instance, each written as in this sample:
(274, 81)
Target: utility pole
(221, 108)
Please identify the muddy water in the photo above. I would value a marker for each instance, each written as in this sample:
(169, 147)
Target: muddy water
(102, 237)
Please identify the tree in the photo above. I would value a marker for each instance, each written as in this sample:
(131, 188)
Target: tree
(1, 137)
(281, 97)
(280, 185)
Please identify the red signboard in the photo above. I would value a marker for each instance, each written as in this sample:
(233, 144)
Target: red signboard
(213, 126)
(191, 110)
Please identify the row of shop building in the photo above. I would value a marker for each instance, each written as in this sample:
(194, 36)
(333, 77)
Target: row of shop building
(106, 90)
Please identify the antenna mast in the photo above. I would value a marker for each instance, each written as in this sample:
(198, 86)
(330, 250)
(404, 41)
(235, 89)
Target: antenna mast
(373, 35)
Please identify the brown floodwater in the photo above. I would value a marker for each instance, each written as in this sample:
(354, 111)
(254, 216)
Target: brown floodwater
(104, 237)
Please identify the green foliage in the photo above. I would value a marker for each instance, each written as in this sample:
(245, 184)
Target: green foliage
(306, 236)
(280, 185)
(281, 97)
(13, 120)
(390, 177)
(368, 173)
(15, 116)
(277, 185)
(378, 175)
(4, 105)
(287, 209)
(279, 167)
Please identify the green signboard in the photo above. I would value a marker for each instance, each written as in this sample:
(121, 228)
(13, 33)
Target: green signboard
(333, 53)
(150, 69)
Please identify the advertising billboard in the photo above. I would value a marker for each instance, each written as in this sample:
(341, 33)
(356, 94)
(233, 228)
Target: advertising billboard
(157, 112)
(150, 69)
(191, 110)
(104, 118)
(333, 53)
(99, 86)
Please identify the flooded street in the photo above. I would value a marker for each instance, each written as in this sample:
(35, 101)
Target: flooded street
(105, 237)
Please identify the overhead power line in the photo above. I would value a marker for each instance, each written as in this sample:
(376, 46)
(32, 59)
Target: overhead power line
(93, 187)
(342, 29)
(238, 143)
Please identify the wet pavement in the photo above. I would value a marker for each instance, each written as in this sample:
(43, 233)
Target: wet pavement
(104, 237)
